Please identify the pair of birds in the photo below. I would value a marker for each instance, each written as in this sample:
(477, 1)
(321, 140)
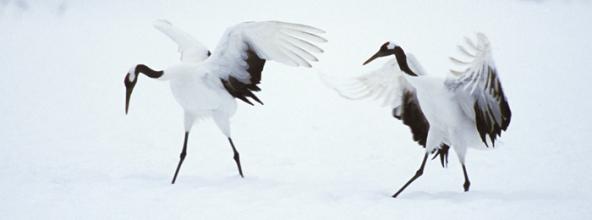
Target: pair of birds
(467, 109)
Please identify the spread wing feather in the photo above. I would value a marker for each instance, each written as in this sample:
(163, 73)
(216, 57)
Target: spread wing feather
(244, 49)
(388, 85)
(190, 49)
(479, 90)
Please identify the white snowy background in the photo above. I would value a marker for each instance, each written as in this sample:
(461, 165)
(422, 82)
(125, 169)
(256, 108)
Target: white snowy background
(68, 151)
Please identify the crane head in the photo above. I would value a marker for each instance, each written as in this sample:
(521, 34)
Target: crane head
(130, 80)
(390, 48)
(386, 49)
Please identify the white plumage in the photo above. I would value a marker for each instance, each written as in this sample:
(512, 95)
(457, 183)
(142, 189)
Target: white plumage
(206, 84)
(466, 109)
(191, 50)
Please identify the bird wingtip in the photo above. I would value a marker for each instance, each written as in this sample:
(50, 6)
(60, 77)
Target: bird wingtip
(161, 22)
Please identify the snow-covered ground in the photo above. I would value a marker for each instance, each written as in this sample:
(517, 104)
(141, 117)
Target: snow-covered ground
(67, 151)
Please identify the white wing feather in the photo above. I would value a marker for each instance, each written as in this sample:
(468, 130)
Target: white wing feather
(385, 83)
(287, 43)
(191, 50)
(389, 84)
(478, 89)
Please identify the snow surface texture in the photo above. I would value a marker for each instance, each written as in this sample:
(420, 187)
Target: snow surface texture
(67, 150)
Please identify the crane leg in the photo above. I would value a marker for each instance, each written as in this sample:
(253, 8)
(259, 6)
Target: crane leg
(181, 157)
(236, 158)
(417, 175)
(467, 182)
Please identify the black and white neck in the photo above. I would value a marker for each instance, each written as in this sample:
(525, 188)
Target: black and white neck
(131, 79)
(141, 68)
(402, 61)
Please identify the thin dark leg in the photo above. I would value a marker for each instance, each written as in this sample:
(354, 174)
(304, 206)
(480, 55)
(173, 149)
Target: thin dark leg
(181, 157)
(236, 158)
(417, 175)
(467, 182)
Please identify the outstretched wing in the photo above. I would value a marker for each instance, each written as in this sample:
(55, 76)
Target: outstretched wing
(191, 50)
(242, 52)
(388, 85)
(479, 91)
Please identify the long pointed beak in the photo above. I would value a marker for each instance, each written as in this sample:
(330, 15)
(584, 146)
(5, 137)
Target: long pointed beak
(129, 88)
(128, 95)
(376, 55)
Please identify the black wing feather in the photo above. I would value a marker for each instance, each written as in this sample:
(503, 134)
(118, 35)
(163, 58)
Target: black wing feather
(410, 113)
(484, 118)
(412, 116)
(242, 90)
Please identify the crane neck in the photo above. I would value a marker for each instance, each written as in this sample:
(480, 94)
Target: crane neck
(402, 61)
(141, 68)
